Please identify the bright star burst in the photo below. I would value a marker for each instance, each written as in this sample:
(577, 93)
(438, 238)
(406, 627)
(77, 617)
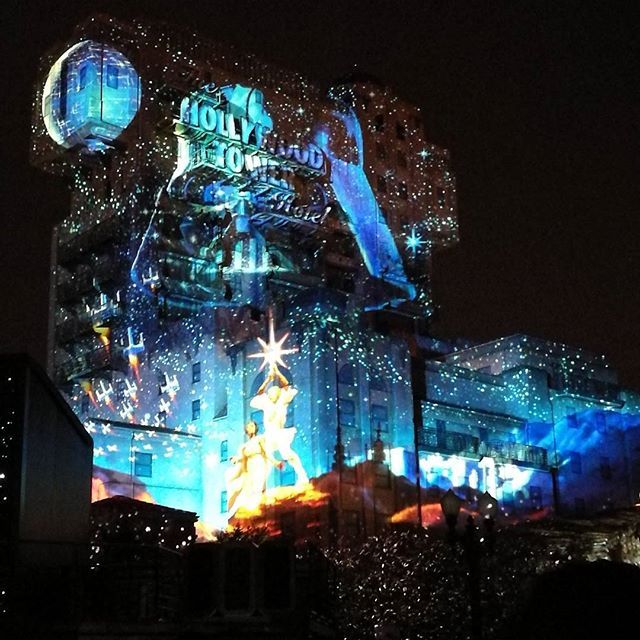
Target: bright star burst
(414, 241)
(272, 351)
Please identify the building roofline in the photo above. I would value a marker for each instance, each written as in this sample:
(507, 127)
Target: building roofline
(521, 337)
(28, 363)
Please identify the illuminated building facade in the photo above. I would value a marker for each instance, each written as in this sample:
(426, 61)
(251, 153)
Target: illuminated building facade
(215, 199)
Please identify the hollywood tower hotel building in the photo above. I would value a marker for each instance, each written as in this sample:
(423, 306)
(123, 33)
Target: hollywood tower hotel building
(222, 209)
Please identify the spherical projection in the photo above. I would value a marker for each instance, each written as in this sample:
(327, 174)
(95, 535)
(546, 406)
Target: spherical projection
(91, 95)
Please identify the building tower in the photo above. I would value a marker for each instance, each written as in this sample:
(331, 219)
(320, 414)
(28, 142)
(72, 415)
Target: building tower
(210, 192)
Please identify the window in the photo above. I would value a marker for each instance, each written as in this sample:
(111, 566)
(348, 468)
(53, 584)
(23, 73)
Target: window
(381, 152)
(162, 381)
(377, 383)
(346, 412)
(535, 495)
(401, 131)
(64, 80)
(224, 451)
(382, 184)
(346, 374)
(143, 463)
(120, 387)
(195, 410)
(83, 74)
(112, 76)
(347, 284)
(508, 501)
(401, 159)
(575, 461)
(605, 468)
(224, 502)
(220, 406)
(379, 418)
(402, 191)
(196, 371)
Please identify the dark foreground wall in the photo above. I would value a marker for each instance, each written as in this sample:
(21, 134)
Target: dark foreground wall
(46, 460)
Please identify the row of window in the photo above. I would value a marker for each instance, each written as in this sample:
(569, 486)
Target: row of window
(379, 415)
(120, 387)
(347, 375)
(379, 126)
(403, 193)
(402, 187)
(575, 464)
(401, 156)
(111, 76)
(574, 422)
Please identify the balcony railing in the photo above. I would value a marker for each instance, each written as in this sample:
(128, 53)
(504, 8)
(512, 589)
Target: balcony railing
(83, 364)
(447, 442)
(515, 453)
(463, 444)
(586, 387)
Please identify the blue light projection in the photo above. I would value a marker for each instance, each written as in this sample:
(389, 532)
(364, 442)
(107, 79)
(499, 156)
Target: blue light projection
(91, 95)
(353, 191)
(258, 197)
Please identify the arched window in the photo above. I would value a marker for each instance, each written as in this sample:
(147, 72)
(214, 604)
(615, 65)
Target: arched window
(346, 374)
(377, 383)
(347, 399)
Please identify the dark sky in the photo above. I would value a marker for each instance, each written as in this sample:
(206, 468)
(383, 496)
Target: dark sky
(537, 101)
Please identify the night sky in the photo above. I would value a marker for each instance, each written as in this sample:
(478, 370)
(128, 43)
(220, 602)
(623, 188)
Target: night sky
(537, 102)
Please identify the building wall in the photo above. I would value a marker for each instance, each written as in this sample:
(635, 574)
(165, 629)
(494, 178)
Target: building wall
(167, 270)
(45, 484)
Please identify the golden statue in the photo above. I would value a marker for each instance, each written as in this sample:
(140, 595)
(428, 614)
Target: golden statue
(247, 479)
(274, 402)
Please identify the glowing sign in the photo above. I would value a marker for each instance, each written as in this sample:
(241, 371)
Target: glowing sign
(223, 129)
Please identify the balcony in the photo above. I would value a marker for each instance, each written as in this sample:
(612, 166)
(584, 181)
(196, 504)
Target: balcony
(586, 387)
(514, 453)
(74, 248)
(460, 444)
(71, 287)
(73, 326)
(83, 365)
(469, 446)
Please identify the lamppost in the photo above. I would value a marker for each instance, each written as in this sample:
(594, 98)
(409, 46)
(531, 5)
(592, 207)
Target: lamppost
(487, 506)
